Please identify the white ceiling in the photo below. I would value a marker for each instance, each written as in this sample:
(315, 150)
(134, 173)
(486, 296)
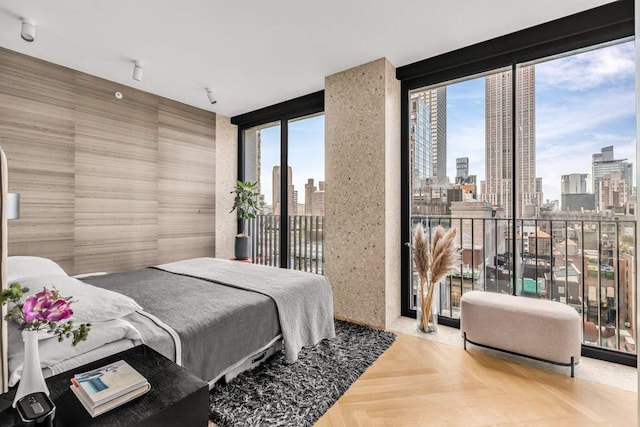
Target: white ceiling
(254, 53)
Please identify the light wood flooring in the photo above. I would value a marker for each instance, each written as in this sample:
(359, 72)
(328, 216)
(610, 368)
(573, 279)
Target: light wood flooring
(418, 383)
(423, 383)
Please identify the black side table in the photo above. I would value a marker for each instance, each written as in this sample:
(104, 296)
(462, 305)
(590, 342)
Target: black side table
(177, 398)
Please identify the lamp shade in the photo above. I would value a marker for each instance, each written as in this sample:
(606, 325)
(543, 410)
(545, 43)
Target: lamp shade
(13, 205)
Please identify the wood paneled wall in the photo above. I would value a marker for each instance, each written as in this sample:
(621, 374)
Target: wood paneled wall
(105, 184)
(186, 197)
(37, 132)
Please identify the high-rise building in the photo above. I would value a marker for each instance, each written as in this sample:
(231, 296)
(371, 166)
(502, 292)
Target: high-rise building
(496, 188)
(434, 124)
(314, 198)
(603, 163)
(420, 144)
(573, 193)
(613, 191)
(252, 142)
(462, 167)
(574, 183)
(292, 197)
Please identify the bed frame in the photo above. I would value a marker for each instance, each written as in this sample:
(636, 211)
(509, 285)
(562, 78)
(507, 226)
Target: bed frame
(4, 364)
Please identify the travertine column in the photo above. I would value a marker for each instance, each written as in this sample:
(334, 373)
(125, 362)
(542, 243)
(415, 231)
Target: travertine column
(226, 178)
(362, 205)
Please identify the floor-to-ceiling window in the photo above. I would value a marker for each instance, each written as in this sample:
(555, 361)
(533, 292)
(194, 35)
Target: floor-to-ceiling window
(307, 186)
(282, 149)
(530, 155)
(262, 165)
(579, 110)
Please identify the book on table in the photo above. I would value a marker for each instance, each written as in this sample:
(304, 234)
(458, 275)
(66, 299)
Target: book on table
(108, 387)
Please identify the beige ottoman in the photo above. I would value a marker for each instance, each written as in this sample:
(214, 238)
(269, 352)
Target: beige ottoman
(539, 329)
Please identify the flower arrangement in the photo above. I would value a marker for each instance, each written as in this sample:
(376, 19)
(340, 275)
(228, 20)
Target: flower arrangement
(433, 262)
(46, 310)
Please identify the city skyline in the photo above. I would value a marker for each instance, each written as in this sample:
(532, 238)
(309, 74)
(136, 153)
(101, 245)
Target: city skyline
(306, 154)
(583, 102)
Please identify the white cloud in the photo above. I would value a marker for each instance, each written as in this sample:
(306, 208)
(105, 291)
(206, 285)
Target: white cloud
(582, 114)
(587, 70)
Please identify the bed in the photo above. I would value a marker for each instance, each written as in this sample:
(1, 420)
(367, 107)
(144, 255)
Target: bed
(214, 317)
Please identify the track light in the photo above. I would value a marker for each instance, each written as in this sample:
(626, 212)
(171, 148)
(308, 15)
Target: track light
(137, 70)
(28, 31)
(212, 99)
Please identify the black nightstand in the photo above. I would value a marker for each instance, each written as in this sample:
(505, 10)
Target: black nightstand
(176, 398)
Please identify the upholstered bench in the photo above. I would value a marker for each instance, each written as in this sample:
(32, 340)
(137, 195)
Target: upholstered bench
(539, 329)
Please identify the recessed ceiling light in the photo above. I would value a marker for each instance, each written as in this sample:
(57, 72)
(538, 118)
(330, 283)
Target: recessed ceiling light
(28, 30)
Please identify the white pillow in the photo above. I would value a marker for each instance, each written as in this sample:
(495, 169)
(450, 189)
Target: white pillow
(21, 267)
(91, 304)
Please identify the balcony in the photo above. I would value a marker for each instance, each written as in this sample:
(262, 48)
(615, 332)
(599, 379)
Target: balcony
(588, 264)
(305, 237)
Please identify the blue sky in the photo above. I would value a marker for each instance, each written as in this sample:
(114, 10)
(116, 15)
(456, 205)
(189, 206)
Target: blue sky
(583, 103)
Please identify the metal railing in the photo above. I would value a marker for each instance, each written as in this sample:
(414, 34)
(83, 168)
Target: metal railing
(305, 237)
(587, 264)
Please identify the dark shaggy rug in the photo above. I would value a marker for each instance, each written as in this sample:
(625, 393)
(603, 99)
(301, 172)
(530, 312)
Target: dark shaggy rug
(297, 394)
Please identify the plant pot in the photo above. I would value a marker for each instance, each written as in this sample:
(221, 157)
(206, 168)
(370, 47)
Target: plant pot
(243, 247)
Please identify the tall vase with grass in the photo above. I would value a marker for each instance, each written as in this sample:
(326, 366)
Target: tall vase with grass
(433, 262)
(246, 206)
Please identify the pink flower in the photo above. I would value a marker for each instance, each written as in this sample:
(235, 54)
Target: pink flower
(46, 306)
(27, 309)
(60, 310)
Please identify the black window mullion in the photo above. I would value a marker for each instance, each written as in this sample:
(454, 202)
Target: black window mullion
(514, 175)
(284, 193)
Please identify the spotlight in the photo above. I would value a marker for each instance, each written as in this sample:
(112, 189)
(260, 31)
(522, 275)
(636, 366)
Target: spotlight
(118, 95)
(137, 70)
(212, 99)
(28, 31)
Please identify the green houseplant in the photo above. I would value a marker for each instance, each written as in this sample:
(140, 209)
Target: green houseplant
(246, 206)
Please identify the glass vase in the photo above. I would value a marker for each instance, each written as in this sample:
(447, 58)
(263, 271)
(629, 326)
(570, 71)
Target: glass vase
(429, 323)
(32, 380)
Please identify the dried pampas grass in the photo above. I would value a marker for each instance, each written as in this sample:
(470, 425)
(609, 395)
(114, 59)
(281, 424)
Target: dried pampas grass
(433, 262)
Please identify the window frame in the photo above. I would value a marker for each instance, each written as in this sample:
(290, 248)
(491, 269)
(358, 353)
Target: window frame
(612, 21)
(282, 113)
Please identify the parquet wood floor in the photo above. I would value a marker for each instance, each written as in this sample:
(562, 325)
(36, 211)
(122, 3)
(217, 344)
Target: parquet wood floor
(421, 383)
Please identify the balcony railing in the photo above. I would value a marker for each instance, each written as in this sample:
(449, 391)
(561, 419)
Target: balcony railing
(305, 237)
(587, 264)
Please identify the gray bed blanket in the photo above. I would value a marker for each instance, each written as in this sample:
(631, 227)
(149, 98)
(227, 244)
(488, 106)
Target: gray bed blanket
(217, 325)
(304, 300)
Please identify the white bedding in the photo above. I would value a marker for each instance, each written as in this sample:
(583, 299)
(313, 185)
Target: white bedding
(90, 303)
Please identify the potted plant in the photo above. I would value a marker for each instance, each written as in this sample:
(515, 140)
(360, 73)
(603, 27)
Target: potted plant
(246, 206)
